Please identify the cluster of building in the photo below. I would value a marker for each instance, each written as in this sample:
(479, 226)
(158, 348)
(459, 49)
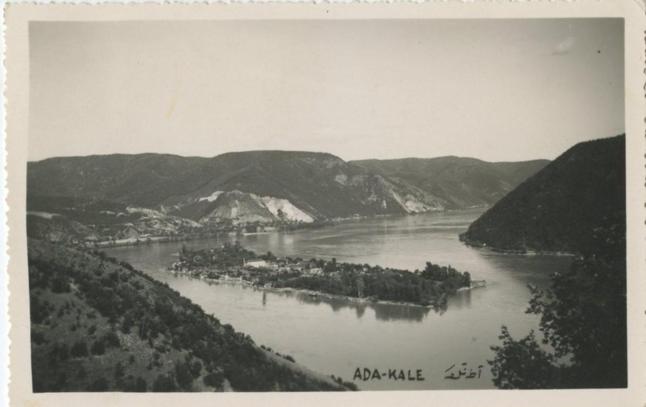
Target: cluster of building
(132, 234)
(282, 266)
(203, 264)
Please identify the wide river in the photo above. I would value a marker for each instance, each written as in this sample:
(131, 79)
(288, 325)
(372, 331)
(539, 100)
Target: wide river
(337, 337)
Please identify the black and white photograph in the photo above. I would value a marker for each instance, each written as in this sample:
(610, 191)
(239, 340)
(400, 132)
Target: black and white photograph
(285, 205)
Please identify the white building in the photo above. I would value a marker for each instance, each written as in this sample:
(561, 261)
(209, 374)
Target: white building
(315, 271)
(256, 264)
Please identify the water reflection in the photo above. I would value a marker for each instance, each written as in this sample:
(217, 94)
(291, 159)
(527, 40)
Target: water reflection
(461, 300)
(392, 312)
(382, 311)
(360, 309)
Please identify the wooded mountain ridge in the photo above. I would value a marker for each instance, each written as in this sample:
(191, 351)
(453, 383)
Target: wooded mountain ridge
(266, 186)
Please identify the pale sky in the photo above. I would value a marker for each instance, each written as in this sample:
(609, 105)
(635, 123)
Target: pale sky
(491, 89)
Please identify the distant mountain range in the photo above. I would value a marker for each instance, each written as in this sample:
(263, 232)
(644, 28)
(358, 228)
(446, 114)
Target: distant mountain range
(267, 186)
(457, 182)
(577, 203)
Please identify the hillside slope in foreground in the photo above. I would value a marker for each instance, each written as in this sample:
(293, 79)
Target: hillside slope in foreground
(100, 325)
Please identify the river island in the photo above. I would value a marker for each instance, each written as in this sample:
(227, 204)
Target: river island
(429, 287)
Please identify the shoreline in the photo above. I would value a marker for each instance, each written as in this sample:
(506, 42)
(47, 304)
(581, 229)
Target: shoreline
(318, 294)
(363, 300)
(513, 252)
(356, 300)
(108, 244)
(132, 242)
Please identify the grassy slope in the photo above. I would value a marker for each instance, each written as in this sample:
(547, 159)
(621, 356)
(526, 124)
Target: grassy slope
(101, 326)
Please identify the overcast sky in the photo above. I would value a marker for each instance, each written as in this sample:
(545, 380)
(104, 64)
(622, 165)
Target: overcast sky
(496, 90)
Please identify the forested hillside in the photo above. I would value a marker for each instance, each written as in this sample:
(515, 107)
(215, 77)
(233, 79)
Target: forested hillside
(100, 325)
(576, 204)
(567, 206)
(305, 186)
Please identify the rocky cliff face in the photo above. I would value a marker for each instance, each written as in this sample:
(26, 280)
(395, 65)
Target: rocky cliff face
(239, 207)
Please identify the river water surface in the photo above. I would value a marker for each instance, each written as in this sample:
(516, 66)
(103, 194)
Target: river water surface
(337, 336)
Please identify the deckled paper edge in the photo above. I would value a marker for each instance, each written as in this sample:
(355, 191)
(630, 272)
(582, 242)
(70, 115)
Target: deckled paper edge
(5, 322)
(636, 118)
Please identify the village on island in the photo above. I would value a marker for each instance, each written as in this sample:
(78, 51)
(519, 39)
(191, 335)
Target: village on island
(232, 263)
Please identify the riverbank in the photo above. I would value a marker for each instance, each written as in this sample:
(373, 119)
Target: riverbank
(513, 252)
(357, 300)
(286, 228)
(310, 293)
(134, 241)
(326, 296)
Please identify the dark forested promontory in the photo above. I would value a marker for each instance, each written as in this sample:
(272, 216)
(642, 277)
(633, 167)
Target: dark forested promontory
(576, 204)
(576, 200)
